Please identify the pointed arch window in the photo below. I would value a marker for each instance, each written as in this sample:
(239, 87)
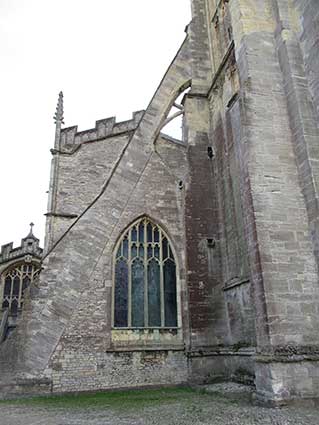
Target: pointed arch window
(144, 279)
(14, 283)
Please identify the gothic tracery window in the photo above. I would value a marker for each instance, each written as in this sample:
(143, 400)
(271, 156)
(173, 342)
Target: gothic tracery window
(14, 283)
(145, 279)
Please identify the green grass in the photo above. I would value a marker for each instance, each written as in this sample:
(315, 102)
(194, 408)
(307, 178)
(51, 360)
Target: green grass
(110, 399)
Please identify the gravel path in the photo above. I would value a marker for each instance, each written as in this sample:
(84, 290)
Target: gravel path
(209, 408)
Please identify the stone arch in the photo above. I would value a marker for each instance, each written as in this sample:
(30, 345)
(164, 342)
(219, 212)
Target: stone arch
(175, 109)
(146, 277)
(14, 281)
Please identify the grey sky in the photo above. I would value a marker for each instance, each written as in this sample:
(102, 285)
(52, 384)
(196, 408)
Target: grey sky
(108, 57)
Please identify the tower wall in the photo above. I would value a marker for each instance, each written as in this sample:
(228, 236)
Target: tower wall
(253, 72)
(237, 197)
(221, 314)
(66, 341)
(272, 112)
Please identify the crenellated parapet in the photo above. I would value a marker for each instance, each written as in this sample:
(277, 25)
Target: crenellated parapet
(29, 247)
(107, 127)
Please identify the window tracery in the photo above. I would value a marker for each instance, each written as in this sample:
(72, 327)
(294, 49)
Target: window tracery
(144, 279)
(14, 283)
(172, 126)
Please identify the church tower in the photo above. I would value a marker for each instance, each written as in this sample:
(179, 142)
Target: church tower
(254, 103)
(188, 260)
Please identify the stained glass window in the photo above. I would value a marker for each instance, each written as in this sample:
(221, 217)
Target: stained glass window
(14, 282)
(145, 293)
(121, 293)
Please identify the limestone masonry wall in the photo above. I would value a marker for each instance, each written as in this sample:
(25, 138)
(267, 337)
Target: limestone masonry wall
(103, 128)
(237, 198)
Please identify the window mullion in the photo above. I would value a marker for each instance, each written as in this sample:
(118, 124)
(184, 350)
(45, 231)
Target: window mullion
(161, 280)
(129, 303)
(32, 275)
(145, 276)
(20, 287)
(2, 290)
(11, 291)
(113, 291)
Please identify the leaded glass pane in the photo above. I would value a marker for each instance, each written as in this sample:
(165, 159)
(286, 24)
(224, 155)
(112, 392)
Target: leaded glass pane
(125, 248)
(170, 294)
(121, 294)
(149, 233)
(154, 293)
(134, 251)
(16, 280)
(16, 286)
(141, 232)
(165, 248)
(25, 283)
(141, 251)
(156, 235)
(7, 287)
(138, 293)
(145, 279)
(14, 307)
(134, 234)
(156, 251)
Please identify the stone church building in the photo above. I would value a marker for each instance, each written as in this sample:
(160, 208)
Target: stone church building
(170, 260)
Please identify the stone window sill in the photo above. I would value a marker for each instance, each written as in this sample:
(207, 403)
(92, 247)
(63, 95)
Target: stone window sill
(147, 338)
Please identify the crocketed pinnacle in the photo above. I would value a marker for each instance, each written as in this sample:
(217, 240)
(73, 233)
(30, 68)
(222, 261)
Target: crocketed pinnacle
(58, 116)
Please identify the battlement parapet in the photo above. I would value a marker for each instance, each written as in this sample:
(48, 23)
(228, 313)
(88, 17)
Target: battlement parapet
(103, 128)
(29, 246)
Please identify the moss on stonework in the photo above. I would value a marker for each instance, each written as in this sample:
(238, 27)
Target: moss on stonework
(110, 399)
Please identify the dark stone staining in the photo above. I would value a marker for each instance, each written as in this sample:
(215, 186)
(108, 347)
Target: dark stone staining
(165, 248)
(154, 293)
(141, 232)
(7, 286)
(137, 301)
(121, 294)
(170, 293)
(125, 248)
(200, 219)
(149, 233)
(233, 161)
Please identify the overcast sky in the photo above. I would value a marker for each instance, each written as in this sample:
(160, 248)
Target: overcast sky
(108, 57)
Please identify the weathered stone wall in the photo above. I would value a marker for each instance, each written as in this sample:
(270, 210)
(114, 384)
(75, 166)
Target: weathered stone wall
(296, 47)
(226, 135)
(206, 311)
(69, 317)
(288, 380)
(238, 200)
(80, 167)
(224, 364)
(304, 16)
(80, 178)
(74, 300)
(263, 133)
(82, 174)
(278, 225)
(76, 370)
(77, 362)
